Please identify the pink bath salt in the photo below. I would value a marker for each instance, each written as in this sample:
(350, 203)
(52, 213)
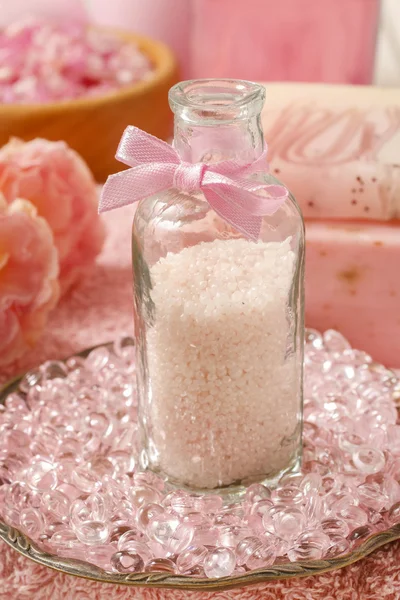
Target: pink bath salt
(219, 376)
(28, 277)
(58, 182)
(46, 61)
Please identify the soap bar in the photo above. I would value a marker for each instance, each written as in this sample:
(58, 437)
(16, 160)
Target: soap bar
(353, 284)
(337, 148)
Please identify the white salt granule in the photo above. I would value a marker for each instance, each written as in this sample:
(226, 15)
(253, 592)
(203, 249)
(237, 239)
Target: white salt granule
(224, 400)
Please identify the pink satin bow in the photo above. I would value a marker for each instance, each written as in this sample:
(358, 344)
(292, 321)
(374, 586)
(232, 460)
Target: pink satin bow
(156, 166)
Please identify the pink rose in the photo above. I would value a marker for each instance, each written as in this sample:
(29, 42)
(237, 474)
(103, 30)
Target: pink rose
(58, 182)
(29, 286)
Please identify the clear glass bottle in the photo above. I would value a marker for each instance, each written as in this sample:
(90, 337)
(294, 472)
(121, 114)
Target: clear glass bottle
(218, 318)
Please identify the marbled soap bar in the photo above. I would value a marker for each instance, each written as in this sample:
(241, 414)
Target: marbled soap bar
(353, 284)
(337, 148)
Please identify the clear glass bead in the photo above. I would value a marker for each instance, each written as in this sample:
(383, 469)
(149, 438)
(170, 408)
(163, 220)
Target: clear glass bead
(191, 558)
(126, 562)
(219, 562)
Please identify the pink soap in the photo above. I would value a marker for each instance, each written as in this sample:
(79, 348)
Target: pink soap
(337, 148)
(353, 284)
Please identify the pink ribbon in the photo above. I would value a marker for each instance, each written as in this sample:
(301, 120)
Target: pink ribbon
(156, 166)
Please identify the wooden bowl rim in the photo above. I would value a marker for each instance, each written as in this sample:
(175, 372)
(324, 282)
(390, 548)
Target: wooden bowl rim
(160, 54)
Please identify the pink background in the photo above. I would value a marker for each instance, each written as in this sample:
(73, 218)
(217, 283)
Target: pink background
(267, 40)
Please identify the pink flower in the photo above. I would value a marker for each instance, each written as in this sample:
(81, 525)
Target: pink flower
(57, 181)
(29, 286)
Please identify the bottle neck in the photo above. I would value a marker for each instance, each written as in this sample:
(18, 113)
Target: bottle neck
(218, 120)
(240, 140)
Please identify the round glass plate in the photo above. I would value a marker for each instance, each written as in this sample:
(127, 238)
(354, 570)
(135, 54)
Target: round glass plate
(279, 570)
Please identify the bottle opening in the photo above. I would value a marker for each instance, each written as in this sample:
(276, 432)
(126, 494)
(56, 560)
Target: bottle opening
(216, 99)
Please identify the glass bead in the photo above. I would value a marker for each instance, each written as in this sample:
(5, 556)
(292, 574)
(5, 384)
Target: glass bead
(180, 502)
(56, 504)
(126, 562)
(371, 496)
(124, 511)
(69, 490)
(288, 495)
(354, 515)
(256, 492)
(123, 461)
(261, 507)
(246, 548)
(342, 500)
(191, 558)
(369, 460)
(144, 495)
(162, 527)
(161, 565)
(314, 507)
(208, 504)
(123, 343)
(350, 442)
(330, 484)
(205, 535)
(92, 532)
(148, 478)
(339, 545)
(288, 522)
(42, 476)
(393, 516)
(361, 533)
(85, 480)
(97, 359)
(335, 342)
(219, 562)
(29, 380)
(15, 494)
(31, 522)
(100, 556)
(309, 546)
(118, 528)
(63, 539)
(146, 513)
(101, 466)
(15, 404)
(263, 556)
(135, 547)
(195, 518)
(311, 482)
(314, 339)
(232, 515)
(180, 538)
(230, 535)
(17, 439)
(75, 362)
(332, 526)
(130, 535)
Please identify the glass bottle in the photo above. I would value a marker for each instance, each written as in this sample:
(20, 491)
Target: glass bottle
(218, 318)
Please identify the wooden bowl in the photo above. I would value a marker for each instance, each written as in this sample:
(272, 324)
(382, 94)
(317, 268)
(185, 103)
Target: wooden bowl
(93, 126)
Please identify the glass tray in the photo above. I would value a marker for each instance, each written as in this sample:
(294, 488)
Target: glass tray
(387, 532)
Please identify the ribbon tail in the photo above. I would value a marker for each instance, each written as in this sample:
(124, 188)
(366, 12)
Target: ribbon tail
(256, 200)
(247, 224)
(133, 185)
